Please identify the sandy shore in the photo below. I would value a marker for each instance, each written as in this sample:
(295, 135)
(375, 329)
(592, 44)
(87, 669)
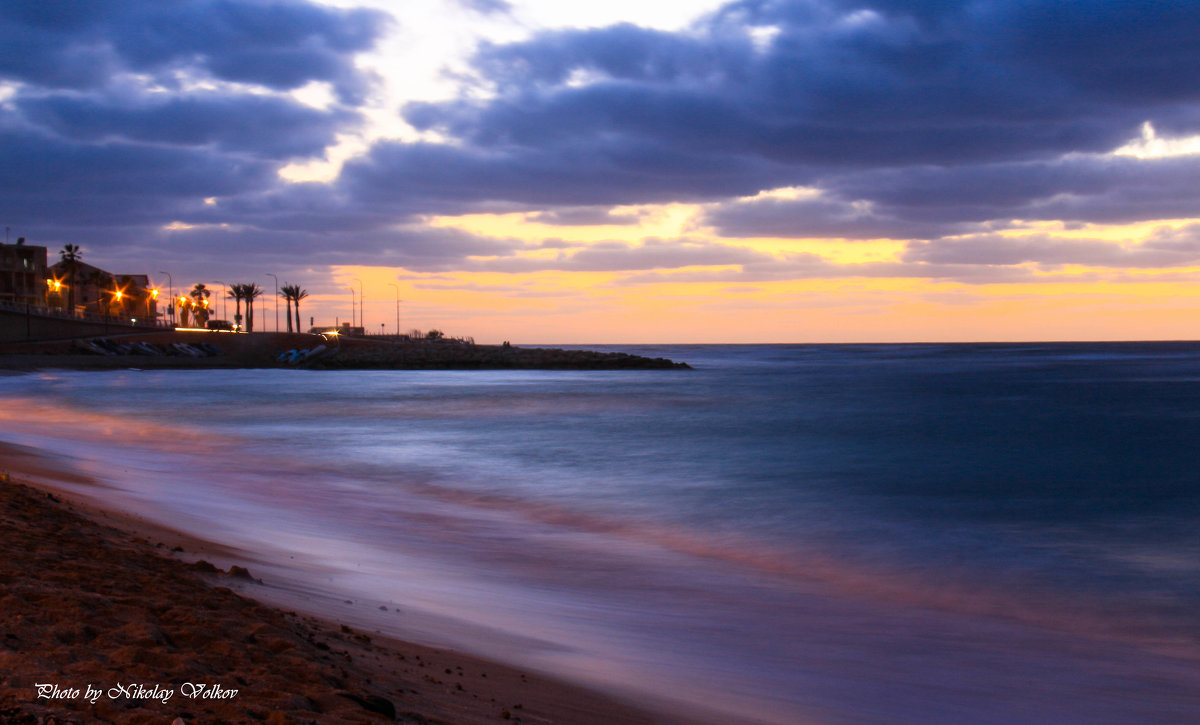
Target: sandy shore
(106, 620)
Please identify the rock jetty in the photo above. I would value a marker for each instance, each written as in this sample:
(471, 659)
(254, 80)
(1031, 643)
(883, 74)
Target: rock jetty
(308, 351)
(449, 356)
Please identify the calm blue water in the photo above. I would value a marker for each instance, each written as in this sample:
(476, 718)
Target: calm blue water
(830, 534)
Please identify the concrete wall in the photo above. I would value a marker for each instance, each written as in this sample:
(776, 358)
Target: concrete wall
(30, 326)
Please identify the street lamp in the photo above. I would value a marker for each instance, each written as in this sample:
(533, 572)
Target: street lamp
(224, 294)
(351, 305)
(276, 300)
(171, 289)
(393, 286)
(362, 311)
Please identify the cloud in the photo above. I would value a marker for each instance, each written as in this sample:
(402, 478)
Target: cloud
(651, 253)
(855, 99)
(811, 266)
(440, 178)
(278, 45)
(924, 202)
(265, 126)
(1163, 249)
(487, 7)
(934, 123)
(121, 118)
(584, 216)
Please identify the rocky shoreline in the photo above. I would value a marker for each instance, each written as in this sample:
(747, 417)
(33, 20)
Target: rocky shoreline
(483, 357)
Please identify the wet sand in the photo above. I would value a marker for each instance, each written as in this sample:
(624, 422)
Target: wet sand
(121, 622)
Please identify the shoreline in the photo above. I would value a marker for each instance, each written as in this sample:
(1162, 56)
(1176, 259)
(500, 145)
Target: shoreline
(97, 597)
(302, 351)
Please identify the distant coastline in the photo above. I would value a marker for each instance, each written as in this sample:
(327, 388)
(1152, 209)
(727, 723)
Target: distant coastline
(192, 350)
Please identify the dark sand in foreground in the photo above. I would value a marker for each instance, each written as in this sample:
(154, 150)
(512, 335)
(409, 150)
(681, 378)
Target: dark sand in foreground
(85, 603)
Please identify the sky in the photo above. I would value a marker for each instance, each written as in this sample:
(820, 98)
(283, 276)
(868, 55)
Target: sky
(627, 171)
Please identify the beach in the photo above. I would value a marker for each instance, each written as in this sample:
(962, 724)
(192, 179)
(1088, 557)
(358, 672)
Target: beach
(106, 618)
(925, 534)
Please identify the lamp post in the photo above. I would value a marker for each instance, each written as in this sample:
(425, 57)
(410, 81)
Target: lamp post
(276, 300)
(351, 305)
(224, 293)
(171, 290)
(393, 286)
(362, 311)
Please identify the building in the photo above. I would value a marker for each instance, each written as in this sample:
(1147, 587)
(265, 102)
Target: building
(23, 274)
(97, 292)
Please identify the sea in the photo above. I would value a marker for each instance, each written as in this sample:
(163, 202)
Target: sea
(827, 534)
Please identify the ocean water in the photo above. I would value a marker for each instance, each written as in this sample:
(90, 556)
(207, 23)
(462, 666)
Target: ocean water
(786, 534)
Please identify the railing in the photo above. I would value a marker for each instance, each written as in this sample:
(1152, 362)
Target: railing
(54, 312)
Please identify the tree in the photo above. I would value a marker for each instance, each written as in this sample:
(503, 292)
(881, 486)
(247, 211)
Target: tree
(237, 292)
(200, 295)
(288, 292)
(299, 295)
(251, 292)
(70, 261)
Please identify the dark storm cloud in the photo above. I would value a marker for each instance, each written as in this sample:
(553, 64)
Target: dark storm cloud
(912, 120)
(105, 137)
(268, 127)
(826, 216)
(443, 178)
(309, 254)
(62, 174)
(852, 98)
(923, 202)
(280, 45)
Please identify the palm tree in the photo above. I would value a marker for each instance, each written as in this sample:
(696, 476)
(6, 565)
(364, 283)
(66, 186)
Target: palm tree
(299, 295)
(200, 295)
(288, 292)
(70, 261)
(237, 292)
(251, 291)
